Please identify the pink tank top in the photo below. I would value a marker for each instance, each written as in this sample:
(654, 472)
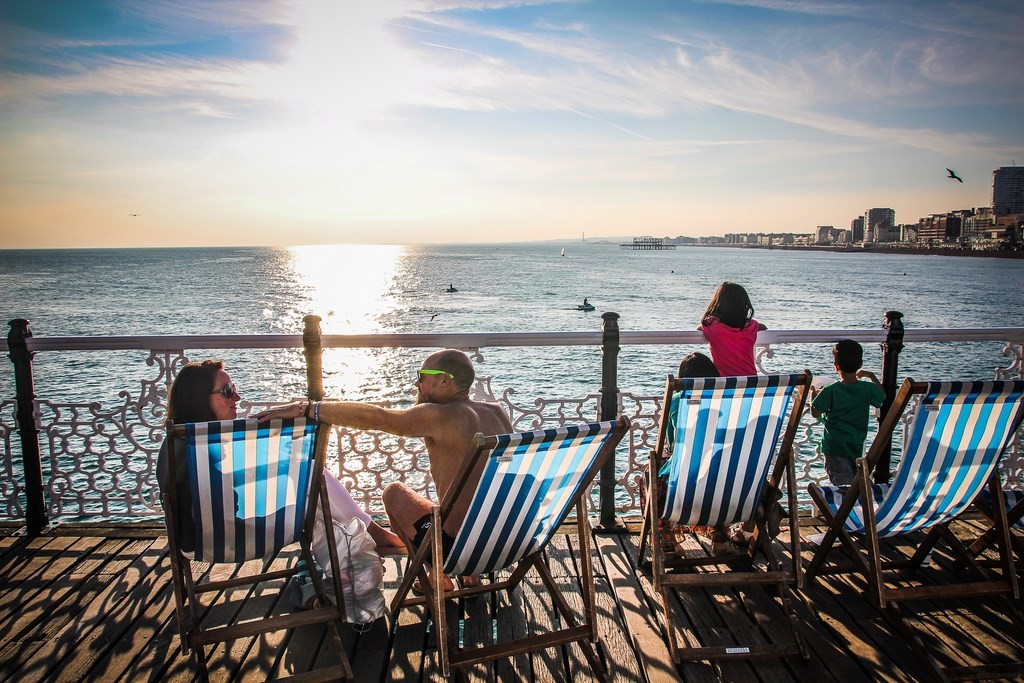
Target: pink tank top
(732, 350)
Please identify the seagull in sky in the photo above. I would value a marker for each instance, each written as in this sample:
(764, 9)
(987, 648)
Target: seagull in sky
(953, 175)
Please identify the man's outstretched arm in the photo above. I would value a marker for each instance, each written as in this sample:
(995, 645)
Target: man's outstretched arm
(420, 420)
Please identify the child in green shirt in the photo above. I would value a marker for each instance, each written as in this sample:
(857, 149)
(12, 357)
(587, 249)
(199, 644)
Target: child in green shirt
(843, 407)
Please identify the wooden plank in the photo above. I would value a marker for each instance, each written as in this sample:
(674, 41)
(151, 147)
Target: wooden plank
(96, 608)
(158, 647)
(857, 627)
(689, 671)
(150, 608)
(212, 611)
(25, 558)
(255, 657)
(826, 662)
(373, 648)
(49, 611)
(409, 639)
(510, 614)
(33, 580)
(565, 572)
(64, 636)
(110, 614)
(239, 604)
(478, 631)
(614, 645)
(705, 618)
(637, 613)
(548, 664)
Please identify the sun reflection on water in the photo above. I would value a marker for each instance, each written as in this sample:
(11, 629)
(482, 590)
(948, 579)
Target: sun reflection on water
(350, 286)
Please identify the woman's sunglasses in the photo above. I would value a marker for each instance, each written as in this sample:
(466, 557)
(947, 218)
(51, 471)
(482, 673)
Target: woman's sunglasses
(227, 391)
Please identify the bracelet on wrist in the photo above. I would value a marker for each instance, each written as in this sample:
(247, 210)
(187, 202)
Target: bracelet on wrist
(316, 412)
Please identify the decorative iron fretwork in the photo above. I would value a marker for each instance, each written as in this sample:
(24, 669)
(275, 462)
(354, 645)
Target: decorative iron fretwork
(12, 489)
(100, 460)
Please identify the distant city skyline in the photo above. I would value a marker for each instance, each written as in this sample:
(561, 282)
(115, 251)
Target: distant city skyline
(211, 122)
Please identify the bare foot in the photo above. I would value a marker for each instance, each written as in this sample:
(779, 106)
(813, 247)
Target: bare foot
(388, 542)
(448, 585)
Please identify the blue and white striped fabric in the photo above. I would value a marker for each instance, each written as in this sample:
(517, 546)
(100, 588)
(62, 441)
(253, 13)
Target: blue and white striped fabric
(250, 485)
(957, 436)
(727, 430)
(1012, 496)
(529, 481)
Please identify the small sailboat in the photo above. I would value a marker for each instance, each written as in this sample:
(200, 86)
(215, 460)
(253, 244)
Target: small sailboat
(563, 251)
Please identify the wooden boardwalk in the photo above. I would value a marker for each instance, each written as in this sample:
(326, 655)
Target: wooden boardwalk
(96, 604)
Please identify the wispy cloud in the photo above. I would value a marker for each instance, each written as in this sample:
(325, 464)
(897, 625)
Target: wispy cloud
(419, 107)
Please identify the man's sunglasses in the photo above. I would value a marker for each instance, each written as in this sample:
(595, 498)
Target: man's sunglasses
(227, 391)
(420, 374)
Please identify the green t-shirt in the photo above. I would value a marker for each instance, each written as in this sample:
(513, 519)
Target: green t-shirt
(844, 412)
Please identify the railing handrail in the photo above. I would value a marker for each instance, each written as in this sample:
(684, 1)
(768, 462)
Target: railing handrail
(477, 340)
(168, 351)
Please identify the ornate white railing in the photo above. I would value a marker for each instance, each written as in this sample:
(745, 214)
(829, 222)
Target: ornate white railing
(98, 459)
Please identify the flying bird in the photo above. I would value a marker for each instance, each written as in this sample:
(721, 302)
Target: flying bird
(953, 175)
(432, 317)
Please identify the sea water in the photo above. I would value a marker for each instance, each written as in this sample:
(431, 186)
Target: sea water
(501, 288)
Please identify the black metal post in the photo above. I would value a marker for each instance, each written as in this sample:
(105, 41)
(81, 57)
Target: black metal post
(35, 505)
(891, 348)
(314, 351)
(609, 411)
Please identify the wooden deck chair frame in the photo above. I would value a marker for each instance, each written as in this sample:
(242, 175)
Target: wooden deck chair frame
(1014, 518)
(870, 564)
(430, 554)
(672, 570)
(187, 588)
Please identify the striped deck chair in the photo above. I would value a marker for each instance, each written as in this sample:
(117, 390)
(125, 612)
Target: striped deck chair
(530, 482)
(952, 450)
(728, 458)
(255, 488)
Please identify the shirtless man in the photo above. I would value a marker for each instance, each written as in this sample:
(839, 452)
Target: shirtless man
(444, 417)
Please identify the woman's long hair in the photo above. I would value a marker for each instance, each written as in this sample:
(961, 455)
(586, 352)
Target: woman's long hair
(730, 305)
(189, 397)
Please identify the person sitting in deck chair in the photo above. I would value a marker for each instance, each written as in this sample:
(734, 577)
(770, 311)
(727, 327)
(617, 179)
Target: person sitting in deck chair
(699, 365)
(447, 420)
(203, 392)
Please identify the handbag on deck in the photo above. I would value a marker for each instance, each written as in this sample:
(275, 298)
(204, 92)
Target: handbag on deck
(362, 573)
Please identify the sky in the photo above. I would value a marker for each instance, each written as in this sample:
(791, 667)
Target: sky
(249, 122)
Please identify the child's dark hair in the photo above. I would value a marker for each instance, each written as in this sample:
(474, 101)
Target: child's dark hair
(730, 305)
(849, 355)
(697, 365)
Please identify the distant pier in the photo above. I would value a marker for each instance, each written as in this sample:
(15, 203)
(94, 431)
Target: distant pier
(647, 244)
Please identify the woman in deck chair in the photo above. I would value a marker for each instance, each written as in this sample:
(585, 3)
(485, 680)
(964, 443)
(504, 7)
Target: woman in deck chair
(697, 365)
(204, 392)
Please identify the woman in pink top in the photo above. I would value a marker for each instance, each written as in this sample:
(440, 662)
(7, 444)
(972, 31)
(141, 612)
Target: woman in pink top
(729, 326)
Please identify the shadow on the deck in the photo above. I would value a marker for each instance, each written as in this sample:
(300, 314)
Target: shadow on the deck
(96, 604)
